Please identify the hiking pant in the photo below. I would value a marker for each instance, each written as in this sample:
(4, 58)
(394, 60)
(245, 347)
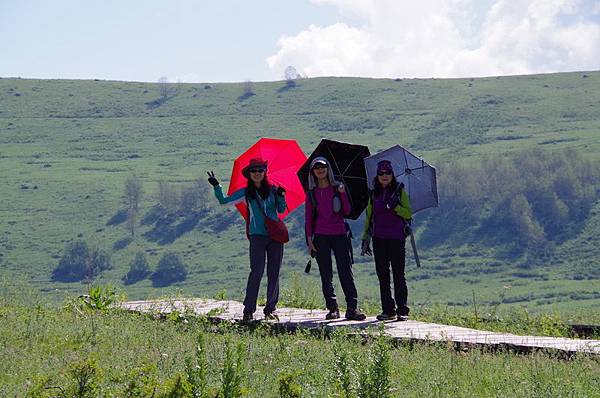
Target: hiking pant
(325, 244)
(261, 248)
(386, 252)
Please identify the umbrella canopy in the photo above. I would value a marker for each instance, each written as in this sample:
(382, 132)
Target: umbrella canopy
(284, 158)
(347, 162)
(418, 177)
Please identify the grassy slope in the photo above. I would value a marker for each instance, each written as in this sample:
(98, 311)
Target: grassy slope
(86, 131)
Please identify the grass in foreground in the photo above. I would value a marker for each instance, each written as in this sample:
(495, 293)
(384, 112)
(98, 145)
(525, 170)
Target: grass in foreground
(84, 352)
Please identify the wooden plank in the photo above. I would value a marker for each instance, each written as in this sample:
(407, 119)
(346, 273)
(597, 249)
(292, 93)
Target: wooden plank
(291, 318)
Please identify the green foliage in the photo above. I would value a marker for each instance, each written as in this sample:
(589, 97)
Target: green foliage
(178, 387)
(171, 269)
(374, 377)
(138, 269)
(80, 262)
(137, 355)
(232, 373)
(141, 382)
(299, 294)
(197, 370)
(100, 298)
(530, 200)
(288, 386)
(345, 371)
(84, 379)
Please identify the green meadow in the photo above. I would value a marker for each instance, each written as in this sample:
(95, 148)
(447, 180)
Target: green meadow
(67, 147)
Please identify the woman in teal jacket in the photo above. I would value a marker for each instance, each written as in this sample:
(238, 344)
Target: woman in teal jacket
(263, 200)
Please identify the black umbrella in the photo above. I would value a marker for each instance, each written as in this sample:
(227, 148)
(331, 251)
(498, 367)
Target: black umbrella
(347, 162)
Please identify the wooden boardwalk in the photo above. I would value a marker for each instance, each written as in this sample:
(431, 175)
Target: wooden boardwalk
(293, 318)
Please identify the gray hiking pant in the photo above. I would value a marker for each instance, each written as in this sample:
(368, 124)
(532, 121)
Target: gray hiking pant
(263, 248)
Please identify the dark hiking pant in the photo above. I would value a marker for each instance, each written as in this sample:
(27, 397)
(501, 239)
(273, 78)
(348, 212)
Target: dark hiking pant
(263, 248)
(391, 252)
(325, 244)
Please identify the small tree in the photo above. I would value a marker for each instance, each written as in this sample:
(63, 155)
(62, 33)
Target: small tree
(163, 87)
(131, 221)
(138, 269)
(80, 262)
(133, 192)
(171, 269)
(168, 197)
(291, 74)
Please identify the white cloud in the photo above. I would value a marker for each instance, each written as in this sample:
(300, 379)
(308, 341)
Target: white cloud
(446, 38)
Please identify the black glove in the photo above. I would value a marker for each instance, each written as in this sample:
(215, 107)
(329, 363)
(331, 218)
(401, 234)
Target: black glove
(365, 248)
(280, 190)
(211, 179)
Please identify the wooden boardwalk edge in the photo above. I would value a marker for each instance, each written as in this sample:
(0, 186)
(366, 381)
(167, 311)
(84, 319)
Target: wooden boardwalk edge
(411, 330)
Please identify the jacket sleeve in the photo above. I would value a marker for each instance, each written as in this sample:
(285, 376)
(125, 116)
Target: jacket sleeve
(235, 197)
(308, 216)
(369, 214)
(346, 208)
(403, 209)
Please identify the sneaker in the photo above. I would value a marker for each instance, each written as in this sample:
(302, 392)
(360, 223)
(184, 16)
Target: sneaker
(385, 317)
(333, 313)
(355, 315)
(403, 317)
(248, 317)
(271, 316)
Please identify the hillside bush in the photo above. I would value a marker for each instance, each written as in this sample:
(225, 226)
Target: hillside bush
(531, 200)
(138, 269)
(80, 262)
(171, 269)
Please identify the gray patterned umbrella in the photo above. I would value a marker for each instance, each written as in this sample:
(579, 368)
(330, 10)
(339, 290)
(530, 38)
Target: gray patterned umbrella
(417, 175)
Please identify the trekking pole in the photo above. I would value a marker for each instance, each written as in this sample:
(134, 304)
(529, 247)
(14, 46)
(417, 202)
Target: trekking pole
(408, 230)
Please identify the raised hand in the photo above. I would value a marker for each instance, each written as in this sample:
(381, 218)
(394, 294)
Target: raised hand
(280, 190)
(341, 188)
(211, 179)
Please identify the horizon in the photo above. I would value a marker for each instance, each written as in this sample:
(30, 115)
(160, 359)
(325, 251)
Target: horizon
(303, 78)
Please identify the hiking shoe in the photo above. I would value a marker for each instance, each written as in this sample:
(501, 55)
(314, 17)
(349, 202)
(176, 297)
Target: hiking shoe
(271, 316)
(403, 317)
(355, 315)
(248, 317)
(333, 313)
(385, 317)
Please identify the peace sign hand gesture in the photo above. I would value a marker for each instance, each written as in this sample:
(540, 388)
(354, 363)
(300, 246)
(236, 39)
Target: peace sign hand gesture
(211, 179)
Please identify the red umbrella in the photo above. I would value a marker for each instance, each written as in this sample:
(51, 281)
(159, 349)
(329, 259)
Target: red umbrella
(284, 159)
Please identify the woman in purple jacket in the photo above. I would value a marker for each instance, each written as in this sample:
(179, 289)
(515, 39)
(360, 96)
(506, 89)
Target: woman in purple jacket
(388, 214)
(326, 205)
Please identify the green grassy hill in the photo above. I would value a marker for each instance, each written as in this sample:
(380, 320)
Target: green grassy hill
(67, 147)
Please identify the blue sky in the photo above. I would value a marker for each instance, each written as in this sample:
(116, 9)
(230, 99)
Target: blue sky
(144, 40)
(208, 41)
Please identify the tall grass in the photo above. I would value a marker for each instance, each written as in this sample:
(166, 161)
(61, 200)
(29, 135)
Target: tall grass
(54, 352)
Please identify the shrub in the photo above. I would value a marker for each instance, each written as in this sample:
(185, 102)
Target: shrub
(197, 370)
(288, 386)
(232, 372)
(171, 269)
(138, 269)
(80, 262)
